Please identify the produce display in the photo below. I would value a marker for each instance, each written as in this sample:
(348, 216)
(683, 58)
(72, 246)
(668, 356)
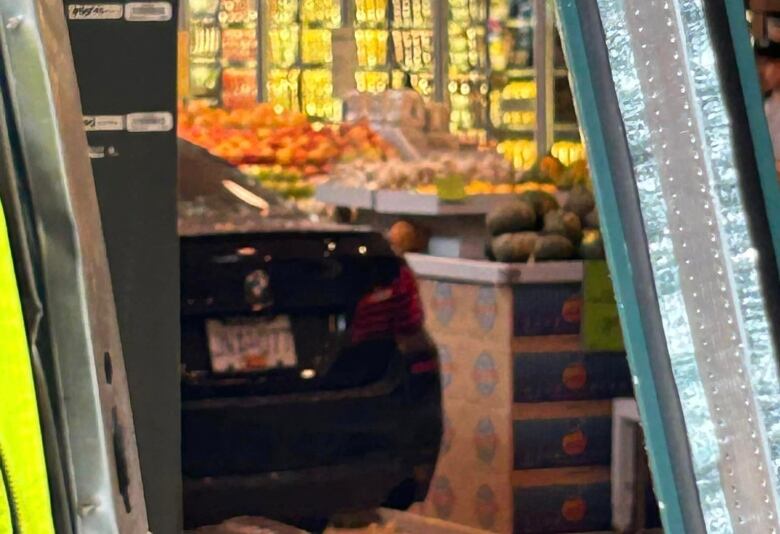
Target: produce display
(534, 226)
(482, 173)
(264, 135)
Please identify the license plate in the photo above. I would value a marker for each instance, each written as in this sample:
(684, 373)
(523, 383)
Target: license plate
(251, 345)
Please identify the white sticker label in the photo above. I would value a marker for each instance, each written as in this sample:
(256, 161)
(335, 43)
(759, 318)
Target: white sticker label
(150, 122)
(104, 123)
(148, 11)
(95, 11)
(97, 152)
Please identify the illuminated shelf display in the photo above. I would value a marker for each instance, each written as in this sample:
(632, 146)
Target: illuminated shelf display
(497, 64)
(300, 56)
(222, 51)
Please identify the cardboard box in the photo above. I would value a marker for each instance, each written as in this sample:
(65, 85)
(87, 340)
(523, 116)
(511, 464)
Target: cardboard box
(559, 434)
(570, 375)
(547, 309)
(561, 500)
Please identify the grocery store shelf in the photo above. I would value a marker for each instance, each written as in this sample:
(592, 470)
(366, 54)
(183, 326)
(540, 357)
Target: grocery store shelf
(487, 272)
(410, 203)
(404, 202)
(344, 196)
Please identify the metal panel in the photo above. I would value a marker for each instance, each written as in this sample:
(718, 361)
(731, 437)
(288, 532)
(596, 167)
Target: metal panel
(676, 126)
(125, 67)
(100, 450)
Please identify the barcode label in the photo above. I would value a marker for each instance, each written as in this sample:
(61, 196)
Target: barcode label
(148, 11)
(150, 122)
(95, 11)
(104, 123)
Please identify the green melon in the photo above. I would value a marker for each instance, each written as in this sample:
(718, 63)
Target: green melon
(516, 216)
(542, 201)
(591, 220)
(515, 247)
(563, 223)
(580, 201)
(553, 247)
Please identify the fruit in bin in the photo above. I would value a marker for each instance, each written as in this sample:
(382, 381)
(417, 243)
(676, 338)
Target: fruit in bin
(300, 156)
(551, 167)
(284, 156)
(580, 201)
(478, 187)
(504, 189)
(427, 189)
(405, 236)
(515, 216)
(563, 223)
(300, 190)
(349, 154)
(535, 186)
(534, 175)
(591, 220)
(553, 247)
(514, 247)
(542, 201)
(311, 170)
(257, 134)
(592, 245)
(575, 174)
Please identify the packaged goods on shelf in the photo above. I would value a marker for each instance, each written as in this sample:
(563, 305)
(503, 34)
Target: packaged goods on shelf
(239, 87)
(238, 12)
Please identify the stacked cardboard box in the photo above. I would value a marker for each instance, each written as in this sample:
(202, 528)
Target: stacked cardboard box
(527, 408)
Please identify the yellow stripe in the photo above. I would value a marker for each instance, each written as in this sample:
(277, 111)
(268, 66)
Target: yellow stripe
(20, 433)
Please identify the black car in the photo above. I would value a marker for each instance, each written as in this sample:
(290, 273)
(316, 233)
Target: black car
(309, 384)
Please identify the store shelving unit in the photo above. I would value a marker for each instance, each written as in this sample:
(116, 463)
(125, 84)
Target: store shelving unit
(221, 39)
(497, 63)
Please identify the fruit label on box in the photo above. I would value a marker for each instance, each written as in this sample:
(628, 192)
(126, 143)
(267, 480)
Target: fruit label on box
(95, 11)
(104, 123)
(148, 11)
(150, 122)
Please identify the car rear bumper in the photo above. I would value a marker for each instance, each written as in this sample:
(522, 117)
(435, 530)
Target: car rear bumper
(309, 456)
(308, 493)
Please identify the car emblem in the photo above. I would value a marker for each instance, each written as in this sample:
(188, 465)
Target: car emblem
(256, 289)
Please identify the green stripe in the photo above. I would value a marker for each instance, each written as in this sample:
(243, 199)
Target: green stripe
(762, 144)
(20, 432)
(620, 268)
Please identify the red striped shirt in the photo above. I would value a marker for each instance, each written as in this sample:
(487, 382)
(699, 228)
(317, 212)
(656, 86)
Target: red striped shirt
(389, 310)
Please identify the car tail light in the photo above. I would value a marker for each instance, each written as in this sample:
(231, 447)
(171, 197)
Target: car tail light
(391, 310)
